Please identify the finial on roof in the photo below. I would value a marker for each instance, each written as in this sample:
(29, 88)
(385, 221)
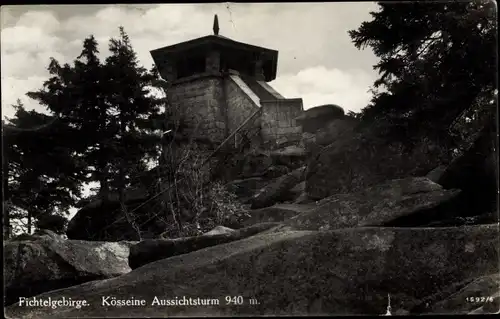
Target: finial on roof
(216, 25)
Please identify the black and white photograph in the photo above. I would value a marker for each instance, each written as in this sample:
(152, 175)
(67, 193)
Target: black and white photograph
(234, 159)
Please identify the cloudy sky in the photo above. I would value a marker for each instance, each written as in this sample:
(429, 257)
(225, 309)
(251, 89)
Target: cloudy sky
(317, 60)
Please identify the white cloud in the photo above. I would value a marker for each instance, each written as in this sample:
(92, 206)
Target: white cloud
(27, 38)
(14, 88)
(26, 49)
(44, 20)
(319, 85)
(148, 29)
(23, 64)
(317, 60)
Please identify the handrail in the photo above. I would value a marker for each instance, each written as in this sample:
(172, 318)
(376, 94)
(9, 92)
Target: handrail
(229, 137)
(165, 86)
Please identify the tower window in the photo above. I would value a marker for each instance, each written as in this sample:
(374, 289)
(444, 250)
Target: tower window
(190, 66)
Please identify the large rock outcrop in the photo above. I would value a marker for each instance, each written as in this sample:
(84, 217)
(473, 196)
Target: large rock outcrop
(334, 130)
(276, 213)
(43, 264)
(278, 190)
(292, 156)
(220, 230)
(103, 220)
(242, 166)
(318, 117)
(436, 174)
(150, 250)
(348, 272)
(411, 201)
(329, 133)
(475, 172)
(362, 159)
(487, 218)
(39, 234)
(478, 295)
(245, 189)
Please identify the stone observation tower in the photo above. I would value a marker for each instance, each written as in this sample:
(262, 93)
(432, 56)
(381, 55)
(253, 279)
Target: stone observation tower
(221, 88)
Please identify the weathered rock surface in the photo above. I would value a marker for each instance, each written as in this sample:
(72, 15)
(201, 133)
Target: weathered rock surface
(334, 130)
(307, 139)
(42, 264)
(401, 202)
(329, 133)
(276, 213)
(298, 189)
(151, 250)
(220, 230)
(49, 233)
(292, 150)
(318, 117)
(488, 218)
(436, 174)
(487, 309)
(276, 171)
(277, 190)
(103, 220)
(251, 164)
(37, 235)
(245, 189)
(348, 271)
(361, 159)
(292, 156)
(303, 199)
(475, 173)
(478, 295)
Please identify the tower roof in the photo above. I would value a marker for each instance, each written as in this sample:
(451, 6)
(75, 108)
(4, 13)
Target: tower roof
(211, 39)
(221, 43)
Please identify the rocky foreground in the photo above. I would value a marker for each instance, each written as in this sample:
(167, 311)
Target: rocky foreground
(336, 230)
(44, 263)
(347, 271)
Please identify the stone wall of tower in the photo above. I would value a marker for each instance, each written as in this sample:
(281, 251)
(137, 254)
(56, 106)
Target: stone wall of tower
(278, 124)
(240, 107)
(200, 101)
(214, 106)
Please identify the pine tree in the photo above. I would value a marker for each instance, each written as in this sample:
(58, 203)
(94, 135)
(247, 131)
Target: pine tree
(95, 113)
(136, 113)
(77, 96)
(41, 175)
(437, 66)
(102, 128)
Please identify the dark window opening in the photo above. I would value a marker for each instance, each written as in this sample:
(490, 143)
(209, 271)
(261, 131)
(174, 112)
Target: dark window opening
(238, 62)
(267, 66)
(190, 66)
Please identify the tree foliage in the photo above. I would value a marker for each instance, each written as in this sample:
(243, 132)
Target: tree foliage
(437, 66)
(40, 170)
(76, 95)
(100, 128)
(111, 106)
(135, 110)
